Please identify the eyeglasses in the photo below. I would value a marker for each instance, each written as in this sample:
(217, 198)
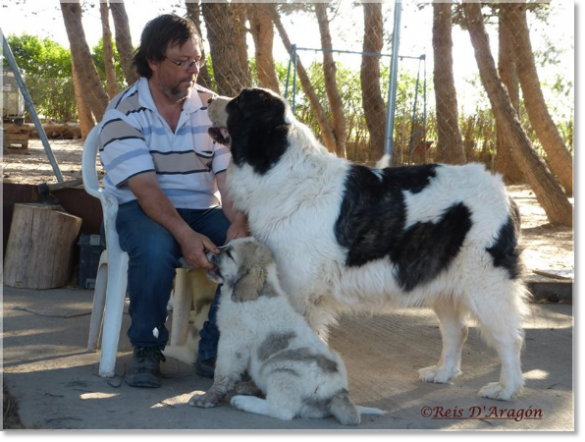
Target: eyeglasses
(188, 64)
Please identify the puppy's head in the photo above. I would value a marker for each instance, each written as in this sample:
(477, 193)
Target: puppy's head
(242, 266)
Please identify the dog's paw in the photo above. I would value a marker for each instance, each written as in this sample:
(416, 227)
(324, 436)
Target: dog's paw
(247, 388)
(497, 391)
(239, 402)
(437, 375)
(208, 400)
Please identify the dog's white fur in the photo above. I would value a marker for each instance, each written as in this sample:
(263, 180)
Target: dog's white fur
(260, 331)
(293, 208)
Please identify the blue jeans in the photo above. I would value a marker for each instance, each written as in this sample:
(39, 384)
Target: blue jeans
(154, 254)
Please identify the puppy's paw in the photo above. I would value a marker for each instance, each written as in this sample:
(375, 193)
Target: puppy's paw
(437, 375)
(497, 391)
(210, 399)
(239, 402)
(247, 388)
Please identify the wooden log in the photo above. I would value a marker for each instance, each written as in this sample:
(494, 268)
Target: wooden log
(40, 247)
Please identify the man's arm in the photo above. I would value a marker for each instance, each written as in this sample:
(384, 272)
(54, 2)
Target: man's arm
(158, 207)
(239, 226)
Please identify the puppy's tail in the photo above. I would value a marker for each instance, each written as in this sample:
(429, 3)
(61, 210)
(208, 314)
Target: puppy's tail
(343, 409)
(383, 162)
(370, 410)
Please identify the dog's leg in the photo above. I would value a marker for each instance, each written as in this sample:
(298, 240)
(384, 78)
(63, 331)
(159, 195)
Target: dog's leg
(500, 320)
(454, 334)
(251, 404)
(228, 370)
(247, 388)
(281, 408)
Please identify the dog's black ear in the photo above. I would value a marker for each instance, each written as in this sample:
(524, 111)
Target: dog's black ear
(249, 286)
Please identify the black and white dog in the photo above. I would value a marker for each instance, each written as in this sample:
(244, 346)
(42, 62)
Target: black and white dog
(347, 238)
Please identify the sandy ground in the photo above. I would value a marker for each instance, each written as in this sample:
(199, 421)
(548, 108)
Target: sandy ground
(547, 249)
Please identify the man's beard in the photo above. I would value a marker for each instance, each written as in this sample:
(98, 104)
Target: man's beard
(176, 93)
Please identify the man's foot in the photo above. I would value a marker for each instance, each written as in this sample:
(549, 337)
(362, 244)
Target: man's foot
(205, 368)
(144, 368)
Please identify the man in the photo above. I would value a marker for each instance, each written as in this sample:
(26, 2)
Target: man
(169, 177)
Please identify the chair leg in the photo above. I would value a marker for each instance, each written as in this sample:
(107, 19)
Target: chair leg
(99, 302)
(115, 296)
(181, 308)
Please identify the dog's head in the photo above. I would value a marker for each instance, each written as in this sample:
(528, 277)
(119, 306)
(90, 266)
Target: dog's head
(254, 124)
(242, 266)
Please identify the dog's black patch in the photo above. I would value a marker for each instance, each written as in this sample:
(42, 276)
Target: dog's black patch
(426, 249)
(371, 224)
(505, 251)
(372, 216)
(258, 130)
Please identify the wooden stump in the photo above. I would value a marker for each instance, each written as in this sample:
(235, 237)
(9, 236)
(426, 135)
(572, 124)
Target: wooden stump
(40, 247)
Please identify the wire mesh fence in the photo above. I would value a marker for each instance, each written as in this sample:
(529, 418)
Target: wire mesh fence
(441, 114)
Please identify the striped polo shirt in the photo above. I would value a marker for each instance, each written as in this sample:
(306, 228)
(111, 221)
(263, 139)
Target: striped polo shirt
(135, 138)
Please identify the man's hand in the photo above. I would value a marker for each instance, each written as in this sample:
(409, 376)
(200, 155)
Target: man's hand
(158, 207)
(194, 247)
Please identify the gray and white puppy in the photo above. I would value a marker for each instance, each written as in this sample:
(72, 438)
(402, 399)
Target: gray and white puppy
(260, 331)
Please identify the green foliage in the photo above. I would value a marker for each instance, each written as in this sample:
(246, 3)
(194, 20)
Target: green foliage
(41, 57)
(48, 77)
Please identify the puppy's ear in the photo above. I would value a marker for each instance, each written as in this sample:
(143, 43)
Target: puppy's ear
(250, 284)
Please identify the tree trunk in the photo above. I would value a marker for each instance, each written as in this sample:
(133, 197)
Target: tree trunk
(450, 144)
(548, 192)
(86, 122)
(227, 70)
(109, 66)
(558, 156)
(262, 29)
(203, 78)
(124, 40)
(330, 71)
(40, 247)
(238, 13)
(372, 101)
(326, 132)
(507, 69)
(93, 93)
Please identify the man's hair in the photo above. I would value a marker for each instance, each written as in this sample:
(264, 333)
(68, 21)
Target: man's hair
(158, 34)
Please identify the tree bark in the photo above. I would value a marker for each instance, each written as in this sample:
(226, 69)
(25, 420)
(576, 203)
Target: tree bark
(548, 192)
(450, 144)
(86, 122)
(238, 13)
(507, 69)
(326, 131)
(227, 69)
(330, 72)
(93, 93)
(203, 78)
(372, 101)
(40, 247)
(111, 82)
(558, 156)
(262, 29)
(124, 40)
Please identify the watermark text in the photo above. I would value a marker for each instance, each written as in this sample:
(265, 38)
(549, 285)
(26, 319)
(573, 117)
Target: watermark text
(482, 412)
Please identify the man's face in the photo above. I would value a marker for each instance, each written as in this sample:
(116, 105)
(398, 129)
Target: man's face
(176, 75)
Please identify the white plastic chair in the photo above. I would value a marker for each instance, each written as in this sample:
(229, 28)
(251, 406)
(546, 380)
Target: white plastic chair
(112, 277)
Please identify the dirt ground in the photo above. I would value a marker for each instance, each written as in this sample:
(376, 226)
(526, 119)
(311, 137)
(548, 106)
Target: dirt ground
(548, 250)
